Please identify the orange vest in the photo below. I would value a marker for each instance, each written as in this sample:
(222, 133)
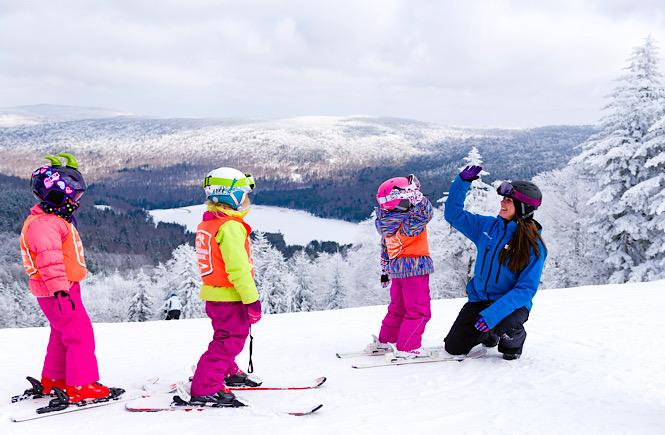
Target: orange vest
(211, 263)
(72, 251)
(400, 245)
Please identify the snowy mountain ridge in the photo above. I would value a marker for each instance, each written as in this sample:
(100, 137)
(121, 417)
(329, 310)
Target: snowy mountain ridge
(51, 113)
(316, 146)
(584, 371)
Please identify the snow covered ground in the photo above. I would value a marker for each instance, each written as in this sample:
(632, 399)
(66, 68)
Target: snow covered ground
(592, 364)
(298, 227)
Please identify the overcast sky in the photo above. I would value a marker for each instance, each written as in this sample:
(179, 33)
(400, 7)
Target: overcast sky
(506, 63)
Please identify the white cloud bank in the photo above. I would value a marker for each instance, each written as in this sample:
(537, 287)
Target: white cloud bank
(500, 63)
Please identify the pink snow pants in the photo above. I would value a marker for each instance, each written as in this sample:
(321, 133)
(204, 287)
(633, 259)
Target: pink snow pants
(408, 312)
(70, 354)
(231, 328)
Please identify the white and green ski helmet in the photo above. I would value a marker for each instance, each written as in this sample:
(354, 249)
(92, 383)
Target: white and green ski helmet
(228, 186)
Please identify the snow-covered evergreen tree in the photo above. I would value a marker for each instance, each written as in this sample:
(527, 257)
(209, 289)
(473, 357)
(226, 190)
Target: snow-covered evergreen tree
(572, 255)
(362, 273)
(274, 281)
(24, 308)
(186, 280)
(647, 198)
(614, 161)
(454, 255)
(141, 306)
(333, 289)
(300, 266)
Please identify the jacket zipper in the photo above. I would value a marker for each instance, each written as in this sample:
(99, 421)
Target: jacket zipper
(487, 249)
(489, 273)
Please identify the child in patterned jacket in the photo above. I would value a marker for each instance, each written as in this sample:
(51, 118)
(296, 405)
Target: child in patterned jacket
(402, 219)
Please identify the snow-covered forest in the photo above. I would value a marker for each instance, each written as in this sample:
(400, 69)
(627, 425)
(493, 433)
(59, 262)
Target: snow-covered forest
(602, 215)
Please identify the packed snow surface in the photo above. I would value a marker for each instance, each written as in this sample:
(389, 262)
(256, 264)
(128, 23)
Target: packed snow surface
(592, 363)
(298, 227)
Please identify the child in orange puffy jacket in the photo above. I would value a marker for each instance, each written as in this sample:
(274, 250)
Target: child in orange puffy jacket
(53, 258)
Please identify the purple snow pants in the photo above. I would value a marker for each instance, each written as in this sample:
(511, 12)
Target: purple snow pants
(408, 312)
(70, 354)
(231, 328)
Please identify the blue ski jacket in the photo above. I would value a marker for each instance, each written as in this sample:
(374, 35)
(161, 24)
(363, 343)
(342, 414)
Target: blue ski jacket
(493, 281)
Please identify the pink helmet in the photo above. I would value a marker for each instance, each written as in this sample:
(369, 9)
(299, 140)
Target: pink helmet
(391, 194)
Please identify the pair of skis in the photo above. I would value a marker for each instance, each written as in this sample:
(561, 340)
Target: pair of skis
(437, 354)
(33, 401)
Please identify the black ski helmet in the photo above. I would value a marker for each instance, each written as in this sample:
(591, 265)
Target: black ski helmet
(526, 197)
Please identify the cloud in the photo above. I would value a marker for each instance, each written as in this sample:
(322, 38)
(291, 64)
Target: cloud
(504, 62)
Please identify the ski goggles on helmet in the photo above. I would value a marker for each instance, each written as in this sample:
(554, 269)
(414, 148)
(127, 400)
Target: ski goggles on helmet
(57, 197)
(414, 184)
(396, 200)
(507, 189)
(245, 184)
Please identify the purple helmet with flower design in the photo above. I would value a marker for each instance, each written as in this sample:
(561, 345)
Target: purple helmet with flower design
(55, 183)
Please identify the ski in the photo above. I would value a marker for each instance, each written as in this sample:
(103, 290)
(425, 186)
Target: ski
(378, 352)
(163, 403)
(391, 360)
(61, 405)
(316, 383)
(55, 403)
(36, 392)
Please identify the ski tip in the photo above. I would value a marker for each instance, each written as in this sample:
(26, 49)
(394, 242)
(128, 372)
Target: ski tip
(321, 380)
(478, 353)
(310, 411)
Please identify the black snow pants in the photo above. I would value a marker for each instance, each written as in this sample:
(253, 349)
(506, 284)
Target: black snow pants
(509, 333)
(173, 315)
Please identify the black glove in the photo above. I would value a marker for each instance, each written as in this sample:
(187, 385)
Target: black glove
(65, 303)
(385, 280)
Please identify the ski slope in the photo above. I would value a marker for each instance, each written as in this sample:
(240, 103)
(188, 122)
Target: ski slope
(592, 364)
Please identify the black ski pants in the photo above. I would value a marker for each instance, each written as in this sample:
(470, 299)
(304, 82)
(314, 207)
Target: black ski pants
(509, 333)
(173, 315)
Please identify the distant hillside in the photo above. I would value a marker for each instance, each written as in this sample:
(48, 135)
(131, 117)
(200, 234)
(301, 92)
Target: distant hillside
(330, 166)
(50, 113)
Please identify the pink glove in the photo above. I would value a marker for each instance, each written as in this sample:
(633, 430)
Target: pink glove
(254, 312)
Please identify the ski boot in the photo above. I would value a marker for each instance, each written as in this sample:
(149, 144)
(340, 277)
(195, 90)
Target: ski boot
(48, 384)
(222, 398)
(241, 379)
(376, 347)
(491, 341)
(511, 356)
(90, 391)
(421, 352)
(78, 395)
